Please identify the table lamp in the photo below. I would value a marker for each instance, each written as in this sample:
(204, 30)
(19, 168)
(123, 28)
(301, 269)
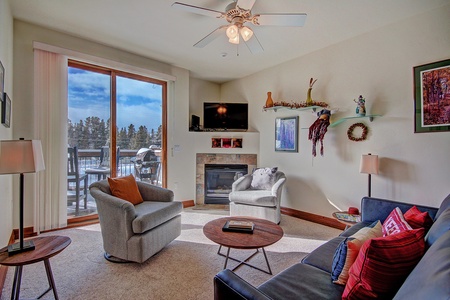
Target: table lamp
(19, 157)
(369, 165)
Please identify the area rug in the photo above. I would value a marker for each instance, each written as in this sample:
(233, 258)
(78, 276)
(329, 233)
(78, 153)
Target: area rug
(183, 270)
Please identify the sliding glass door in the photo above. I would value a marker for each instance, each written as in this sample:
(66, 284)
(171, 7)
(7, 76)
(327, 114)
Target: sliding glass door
(117, 125)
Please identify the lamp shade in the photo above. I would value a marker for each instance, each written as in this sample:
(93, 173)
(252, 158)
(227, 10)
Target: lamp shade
(21, 156)
(369, 164)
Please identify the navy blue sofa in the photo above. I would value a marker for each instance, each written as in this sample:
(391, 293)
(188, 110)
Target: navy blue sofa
(311, 278)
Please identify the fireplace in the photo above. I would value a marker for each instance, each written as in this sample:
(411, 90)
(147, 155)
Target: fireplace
(203, 159)
(219, 179)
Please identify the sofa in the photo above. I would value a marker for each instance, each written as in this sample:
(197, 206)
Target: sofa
(311, 278)
(134, 233)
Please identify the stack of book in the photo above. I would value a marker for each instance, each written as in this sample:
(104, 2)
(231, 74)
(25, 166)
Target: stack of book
(239, 226)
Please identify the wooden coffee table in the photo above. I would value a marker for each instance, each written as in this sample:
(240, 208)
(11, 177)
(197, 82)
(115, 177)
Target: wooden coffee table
(265, 233)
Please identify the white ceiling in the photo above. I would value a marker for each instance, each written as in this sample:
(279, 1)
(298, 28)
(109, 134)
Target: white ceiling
(152, 28)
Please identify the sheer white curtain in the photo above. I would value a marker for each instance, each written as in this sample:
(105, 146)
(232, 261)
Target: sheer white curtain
(50, 123)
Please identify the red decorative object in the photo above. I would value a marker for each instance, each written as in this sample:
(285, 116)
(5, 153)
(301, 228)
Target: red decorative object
(318, 129)
(353, 211)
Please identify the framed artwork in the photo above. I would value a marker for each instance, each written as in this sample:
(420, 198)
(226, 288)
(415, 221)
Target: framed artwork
(236, 143)
(226, 143)
(432, 97)
(2, 81)
(216, 142)
(6, 110)
(286, 134)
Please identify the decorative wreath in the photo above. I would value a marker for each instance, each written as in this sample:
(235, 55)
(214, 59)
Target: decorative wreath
(363, 136)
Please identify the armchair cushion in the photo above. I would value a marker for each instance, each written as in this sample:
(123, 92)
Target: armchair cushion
(254, 197)
(125, 188)
(263, 178)
(150, 214)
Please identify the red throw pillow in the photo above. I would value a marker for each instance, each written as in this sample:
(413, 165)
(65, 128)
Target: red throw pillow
(125, 188)
(383, 264)
(395, 223)
(418, 219)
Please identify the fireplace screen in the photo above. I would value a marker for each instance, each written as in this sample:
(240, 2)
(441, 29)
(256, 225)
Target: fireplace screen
(218, 181)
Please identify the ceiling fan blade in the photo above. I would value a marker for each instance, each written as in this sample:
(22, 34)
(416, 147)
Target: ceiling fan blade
(246, 4)
(279, 19)
(254, 45)
(210, 37)
(198, 10)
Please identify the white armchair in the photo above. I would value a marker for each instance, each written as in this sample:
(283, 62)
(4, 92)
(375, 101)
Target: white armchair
(258, 195)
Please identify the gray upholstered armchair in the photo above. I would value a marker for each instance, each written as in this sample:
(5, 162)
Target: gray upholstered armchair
(260, 199)
(136, 232)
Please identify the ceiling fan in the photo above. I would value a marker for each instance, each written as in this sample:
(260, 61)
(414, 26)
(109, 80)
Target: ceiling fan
(237, 14)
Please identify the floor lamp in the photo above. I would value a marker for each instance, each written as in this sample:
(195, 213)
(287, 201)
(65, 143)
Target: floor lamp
(369, 165)
(19, 157)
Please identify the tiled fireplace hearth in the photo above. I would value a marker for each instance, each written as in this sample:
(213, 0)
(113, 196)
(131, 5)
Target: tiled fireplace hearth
(218, 158)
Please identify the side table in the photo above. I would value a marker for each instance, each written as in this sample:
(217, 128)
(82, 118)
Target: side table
(46, 247)
(347, 219)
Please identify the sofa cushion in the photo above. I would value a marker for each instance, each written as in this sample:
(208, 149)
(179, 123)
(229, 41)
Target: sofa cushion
(383, 264)
(322, 256)
(395, 223)
(355, 228)
(354, 244)
(150, 214)
(430, 278)
(439, 227)
(301, 281)
(125, 188)
(417, 219)
(254, 197)
(263, 178)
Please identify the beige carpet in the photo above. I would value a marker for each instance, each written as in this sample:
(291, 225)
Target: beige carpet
(183, 270)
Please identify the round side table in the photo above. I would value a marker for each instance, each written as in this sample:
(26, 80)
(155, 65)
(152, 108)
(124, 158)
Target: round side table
(45, 247)
(348, 223)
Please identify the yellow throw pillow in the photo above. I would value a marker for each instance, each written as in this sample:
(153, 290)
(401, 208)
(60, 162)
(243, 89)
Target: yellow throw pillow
(125, 188)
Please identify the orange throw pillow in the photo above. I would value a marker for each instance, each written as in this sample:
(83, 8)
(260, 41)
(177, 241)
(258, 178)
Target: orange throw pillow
(125, 188)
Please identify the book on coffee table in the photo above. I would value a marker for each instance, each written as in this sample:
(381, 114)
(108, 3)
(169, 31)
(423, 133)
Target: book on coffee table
(238, 226)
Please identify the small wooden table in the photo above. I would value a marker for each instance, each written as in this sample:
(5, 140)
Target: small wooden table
(46, 247)
(347, 223)
(265, 233)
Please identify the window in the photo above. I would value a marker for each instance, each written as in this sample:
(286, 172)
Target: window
(123, 113)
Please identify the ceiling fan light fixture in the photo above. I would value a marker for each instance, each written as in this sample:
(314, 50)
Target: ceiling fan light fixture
(234, 40)
(232, 32)
(246, 33)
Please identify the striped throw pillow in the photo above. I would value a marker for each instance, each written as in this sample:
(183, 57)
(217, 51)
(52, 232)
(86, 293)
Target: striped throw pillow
(383, 264)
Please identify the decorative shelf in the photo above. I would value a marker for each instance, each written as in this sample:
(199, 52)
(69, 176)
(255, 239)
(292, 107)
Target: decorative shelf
(275, 108)
(341, 120)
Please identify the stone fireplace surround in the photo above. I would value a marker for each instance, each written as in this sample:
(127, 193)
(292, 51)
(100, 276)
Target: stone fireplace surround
(218, 158)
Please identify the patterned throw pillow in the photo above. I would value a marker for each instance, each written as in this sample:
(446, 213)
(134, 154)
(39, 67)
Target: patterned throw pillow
(383, 264)
(263, 178)
(395, 223)
(125, 188)
(417, 219)
(354, 243)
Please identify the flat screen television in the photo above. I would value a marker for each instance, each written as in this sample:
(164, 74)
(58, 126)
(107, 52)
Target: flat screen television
(225, 116)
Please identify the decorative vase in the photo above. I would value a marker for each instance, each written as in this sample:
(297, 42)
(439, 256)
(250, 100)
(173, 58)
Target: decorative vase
(309, 100)
(269, 101)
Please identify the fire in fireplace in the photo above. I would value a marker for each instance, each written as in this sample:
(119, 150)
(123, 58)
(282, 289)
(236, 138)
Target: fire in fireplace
(219, 179)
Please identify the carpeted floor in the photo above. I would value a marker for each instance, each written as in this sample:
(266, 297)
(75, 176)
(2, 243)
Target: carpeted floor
(183, 270)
